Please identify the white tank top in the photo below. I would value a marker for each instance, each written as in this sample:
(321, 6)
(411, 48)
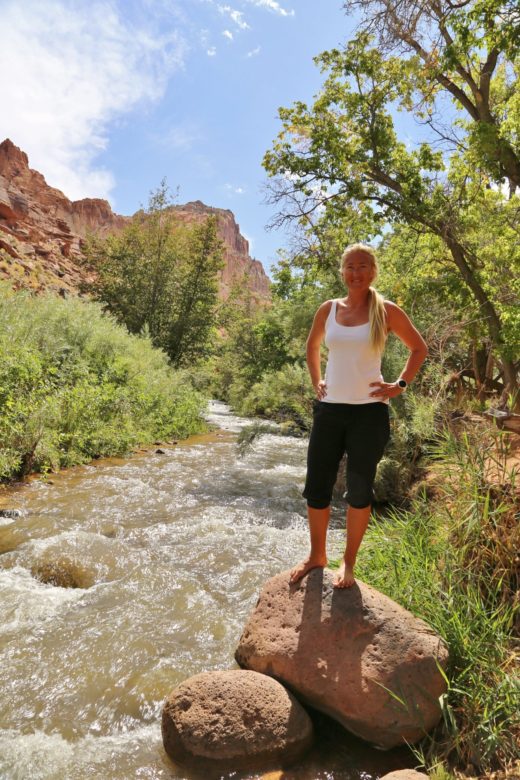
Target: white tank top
(352, 364)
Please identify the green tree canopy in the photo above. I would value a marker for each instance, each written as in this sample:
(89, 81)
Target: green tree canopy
(341, 171)
(160, 276)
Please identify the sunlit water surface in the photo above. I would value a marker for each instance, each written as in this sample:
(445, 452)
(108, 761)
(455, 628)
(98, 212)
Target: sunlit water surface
(170, 552)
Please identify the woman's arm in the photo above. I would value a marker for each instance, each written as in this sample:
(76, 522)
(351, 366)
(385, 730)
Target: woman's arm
(314, 339)
(400, 324)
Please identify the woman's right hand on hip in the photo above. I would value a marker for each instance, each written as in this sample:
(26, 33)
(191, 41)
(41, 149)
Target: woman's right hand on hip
(321, 389)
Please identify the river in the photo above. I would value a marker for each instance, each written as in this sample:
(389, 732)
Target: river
(169, 552)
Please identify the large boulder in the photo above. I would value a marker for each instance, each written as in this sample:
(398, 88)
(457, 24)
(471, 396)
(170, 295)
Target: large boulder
(352, 653)
(234, 720)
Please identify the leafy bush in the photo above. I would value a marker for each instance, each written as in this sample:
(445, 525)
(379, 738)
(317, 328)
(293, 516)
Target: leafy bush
(160, 274)
(74, 385)
(281, 395)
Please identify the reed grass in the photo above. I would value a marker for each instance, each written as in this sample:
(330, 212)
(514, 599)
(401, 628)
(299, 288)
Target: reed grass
(453, 562)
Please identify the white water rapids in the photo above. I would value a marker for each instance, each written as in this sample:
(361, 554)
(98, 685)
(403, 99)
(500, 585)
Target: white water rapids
(170, 552)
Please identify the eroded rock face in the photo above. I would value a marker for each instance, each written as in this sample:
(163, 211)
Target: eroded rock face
(234, 720)
(42, 232)
(352, 653)
(237, 262)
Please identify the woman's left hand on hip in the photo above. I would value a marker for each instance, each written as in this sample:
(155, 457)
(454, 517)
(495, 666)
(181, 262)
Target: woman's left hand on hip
(385, 390)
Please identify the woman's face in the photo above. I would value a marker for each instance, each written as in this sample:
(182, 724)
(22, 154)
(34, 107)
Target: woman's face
(358, 271)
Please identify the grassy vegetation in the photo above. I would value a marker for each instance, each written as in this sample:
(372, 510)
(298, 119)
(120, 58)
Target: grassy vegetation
(453, 561)
(74, 385)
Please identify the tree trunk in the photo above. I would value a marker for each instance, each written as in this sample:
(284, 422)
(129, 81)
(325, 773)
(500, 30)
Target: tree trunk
(491, 317)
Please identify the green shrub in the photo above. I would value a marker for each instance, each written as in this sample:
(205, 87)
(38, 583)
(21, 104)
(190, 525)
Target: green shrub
(74, 385)
(281, 395)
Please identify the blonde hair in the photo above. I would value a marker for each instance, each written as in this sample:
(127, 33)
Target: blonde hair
(376, 307)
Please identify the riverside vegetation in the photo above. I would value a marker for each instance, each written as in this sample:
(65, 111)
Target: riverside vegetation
(444, 215)
(75, 385)
(81, 379)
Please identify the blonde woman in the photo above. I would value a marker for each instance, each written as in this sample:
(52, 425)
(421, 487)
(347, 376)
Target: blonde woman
(351, 409)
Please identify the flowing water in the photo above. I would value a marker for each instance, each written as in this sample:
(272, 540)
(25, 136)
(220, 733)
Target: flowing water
(168, 553)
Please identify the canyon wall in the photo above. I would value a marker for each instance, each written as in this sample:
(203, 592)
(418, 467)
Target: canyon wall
(42, 233)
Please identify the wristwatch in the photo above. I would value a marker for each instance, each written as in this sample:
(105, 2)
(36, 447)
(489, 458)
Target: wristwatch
(403, 384)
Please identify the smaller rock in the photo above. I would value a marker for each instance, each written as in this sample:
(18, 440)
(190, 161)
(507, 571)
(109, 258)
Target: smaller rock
(160, 452)
(62, 573)
(405, 774)
(234, 720)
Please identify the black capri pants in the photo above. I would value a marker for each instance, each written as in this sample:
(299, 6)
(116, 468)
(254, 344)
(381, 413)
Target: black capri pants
(359, 430)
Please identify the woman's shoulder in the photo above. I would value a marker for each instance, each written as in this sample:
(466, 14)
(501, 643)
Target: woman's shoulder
(325, 307)
(391, 307)
(394, 314)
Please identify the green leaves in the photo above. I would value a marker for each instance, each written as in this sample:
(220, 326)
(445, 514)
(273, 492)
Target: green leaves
(75, 385)
(161, 275)
(341, 172)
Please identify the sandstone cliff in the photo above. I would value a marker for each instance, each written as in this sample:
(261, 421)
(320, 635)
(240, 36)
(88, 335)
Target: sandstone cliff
(42, 232)
(238, 263)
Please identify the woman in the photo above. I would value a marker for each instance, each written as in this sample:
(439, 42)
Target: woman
(351, 411)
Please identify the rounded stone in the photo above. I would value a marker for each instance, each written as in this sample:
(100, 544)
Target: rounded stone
(405, 774)
(351, 653)
(234, 720)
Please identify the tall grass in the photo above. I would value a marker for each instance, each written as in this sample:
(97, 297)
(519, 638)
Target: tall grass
(454, 563)
(74, 385)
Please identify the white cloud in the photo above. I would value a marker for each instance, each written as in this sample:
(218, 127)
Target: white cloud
(272, 5)
(231, 189)
(235, 16)
(228, 34)
(182, 137)
(70, 69)
(211, 51)
(254, 52)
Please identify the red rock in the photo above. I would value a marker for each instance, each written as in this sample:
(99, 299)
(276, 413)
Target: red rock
(238, 263)
(53, 227)
(234, 720)
(352, 653)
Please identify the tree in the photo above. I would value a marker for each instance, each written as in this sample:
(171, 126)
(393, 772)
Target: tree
(341, 163)
(468, 50)
(160, 275)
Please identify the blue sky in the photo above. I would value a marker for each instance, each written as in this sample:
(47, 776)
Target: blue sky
(109, 97)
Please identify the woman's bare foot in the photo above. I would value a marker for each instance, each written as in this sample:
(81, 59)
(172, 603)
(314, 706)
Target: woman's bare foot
(304, 567)
(345, 576)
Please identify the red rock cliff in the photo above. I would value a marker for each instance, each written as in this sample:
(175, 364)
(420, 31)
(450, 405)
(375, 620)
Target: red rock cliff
(42, 232)
(238, 263)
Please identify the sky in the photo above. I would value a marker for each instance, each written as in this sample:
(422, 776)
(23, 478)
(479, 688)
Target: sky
(108, 97)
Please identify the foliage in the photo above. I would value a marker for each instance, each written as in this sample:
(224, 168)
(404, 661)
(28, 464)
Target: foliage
(159, 276)
(340, 171)
(74, 385)
(280, 395)
(452, 563)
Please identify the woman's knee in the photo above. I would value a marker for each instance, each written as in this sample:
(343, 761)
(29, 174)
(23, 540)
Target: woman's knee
(360, 486)
(319, 502)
